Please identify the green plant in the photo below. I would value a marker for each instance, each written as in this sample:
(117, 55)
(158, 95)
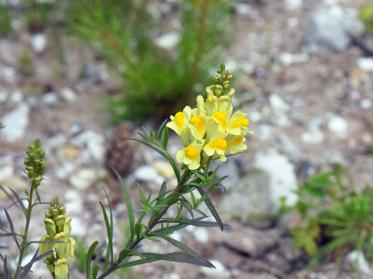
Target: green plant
(5, 19)
(35, 167)
(366, 16)
(211, 131)
(334, 219)
(155, 80)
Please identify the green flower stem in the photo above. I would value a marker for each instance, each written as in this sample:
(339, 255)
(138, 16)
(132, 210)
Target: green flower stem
(132, 245)
(25, 232)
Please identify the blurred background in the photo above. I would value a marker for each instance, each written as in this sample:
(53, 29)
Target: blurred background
(83, 74)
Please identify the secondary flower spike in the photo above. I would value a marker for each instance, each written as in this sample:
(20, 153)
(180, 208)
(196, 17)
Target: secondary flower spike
(58, 240)
(212, 129)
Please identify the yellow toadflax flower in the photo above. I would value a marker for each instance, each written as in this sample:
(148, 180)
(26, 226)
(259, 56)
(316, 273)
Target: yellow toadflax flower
(212, 127)
(217, 146)
(179, 123)
(190, 156)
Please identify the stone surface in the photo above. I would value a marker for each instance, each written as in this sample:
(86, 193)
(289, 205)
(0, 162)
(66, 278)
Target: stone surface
(83, 178)
(220, 271)
(283, 181)
(250, 201)
(330, 27)
(338, 126)
(15, 122)
(365, 63)
(39, 42)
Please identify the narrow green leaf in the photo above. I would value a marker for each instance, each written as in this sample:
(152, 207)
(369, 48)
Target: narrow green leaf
(188, 251)
(164, 138)
(127, 199)
(212, 209)
(109, 232)
(180, 257)
(88, 259)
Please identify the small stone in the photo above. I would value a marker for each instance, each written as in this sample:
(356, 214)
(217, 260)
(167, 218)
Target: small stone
(50, 99)
(201, 235)
(366, 104)
(288, 59)
(3, 97)
(9, 74)
(164, 169)
(6, 172)
(64, 171)
(331, 27)
(283, 181)
(83, 178)
(148, 174)
(75, 129)
(278, 105)
(220, 271)
(16, 96)
(68, 94)
(39, 42)
(15, 122)
(338, 126)
(78, 227)
(358, 259)
(242, 9)
(168, 41)
(56, 141)
(94, 142)
(366, 64)
(293, 4)
(314, 135)
(68, 153)
(229, 168)
(250, 201)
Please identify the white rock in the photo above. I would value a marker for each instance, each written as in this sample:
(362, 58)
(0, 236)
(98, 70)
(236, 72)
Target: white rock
(358, 259)
(6, 172)
(201, 235)
(331, 27)
(365, 63)
(64, 171)
(366, 104)
(288, 59)
(242, 8)
(56, 141)
(94, 142)
(15, 123)
(338, 126)
(263, 132)
(16, 96)
(68, 94)
(50, 99)
(282, 176)
(78, 228)
(168, 40)
(3, 97)
(220, 271)
(9, 74)
(280, 110)
(278, 105)
(293, 4)
(314, 135)
(83, 178)
(148, 174)
(39, 42)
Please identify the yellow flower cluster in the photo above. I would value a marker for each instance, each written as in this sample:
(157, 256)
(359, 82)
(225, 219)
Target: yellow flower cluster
(212, 129)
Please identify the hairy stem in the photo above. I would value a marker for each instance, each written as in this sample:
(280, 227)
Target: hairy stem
(24, 243)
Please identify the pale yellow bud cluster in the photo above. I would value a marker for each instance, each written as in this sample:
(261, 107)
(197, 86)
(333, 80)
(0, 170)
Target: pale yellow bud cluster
(58, 240)
(212, 129)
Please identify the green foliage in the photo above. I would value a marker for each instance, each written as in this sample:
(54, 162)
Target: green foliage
(26, 62)
(366, 16)
(334, 219)
(35, 163)
(5, 20)
(155, 80)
